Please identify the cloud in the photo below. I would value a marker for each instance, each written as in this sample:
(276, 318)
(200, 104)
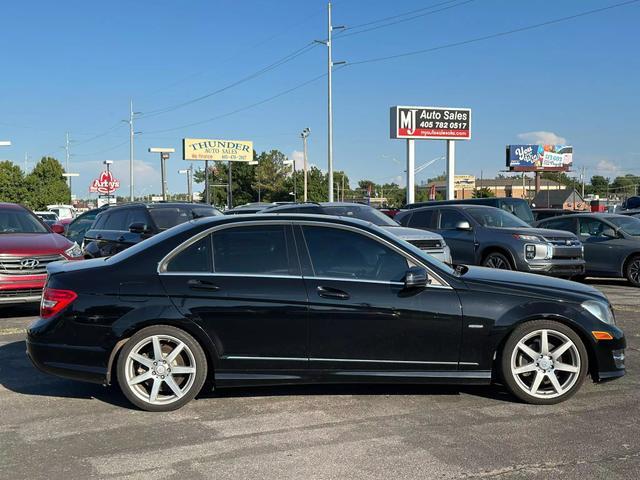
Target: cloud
(298, 157)
(146, 179)
(542, 138)
(607, 167)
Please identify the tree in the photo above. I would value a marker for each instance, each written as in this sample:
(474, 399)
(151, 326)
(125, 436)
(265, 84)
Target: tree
(484, 192)
(46, 185)
(599, 185)
(12, 185)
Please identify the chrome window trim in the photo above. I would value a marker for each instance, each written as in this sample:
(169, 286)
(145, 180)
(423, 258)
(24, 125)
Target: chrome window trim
(162, 265)
(224, 274)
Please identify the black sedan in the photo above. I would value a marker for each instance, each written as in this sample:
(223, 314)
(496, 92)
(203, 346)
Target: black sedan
(285, 299)
(611, 243)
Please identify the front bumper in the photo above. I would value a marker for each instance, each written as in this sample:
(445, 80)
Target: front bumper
(16, 289)
(555, 267)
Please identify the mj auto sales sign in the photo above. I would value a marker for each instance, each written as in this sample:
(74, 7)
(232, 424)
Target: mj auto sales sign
(431, 123)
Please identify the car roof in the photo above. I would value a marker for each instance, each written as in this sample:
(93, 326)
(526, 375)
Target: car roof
(587, 214)
(457, 206)
(12, 206)
(158, 205)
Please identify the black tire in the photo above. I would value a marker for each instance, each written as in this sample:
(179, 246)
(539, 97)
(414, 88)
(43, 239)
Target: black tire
(521, 385)
(632, 271)
(497, 260)
(190, 356)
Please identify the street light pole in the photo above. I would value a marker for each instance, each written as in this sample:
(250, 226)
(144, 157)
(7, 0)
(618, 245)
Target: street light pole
(164, 156)
(188, 172)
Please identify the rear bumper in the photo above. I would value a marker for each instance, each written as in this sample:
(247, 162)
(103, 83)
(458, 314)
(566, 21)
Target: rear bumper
(76, 363)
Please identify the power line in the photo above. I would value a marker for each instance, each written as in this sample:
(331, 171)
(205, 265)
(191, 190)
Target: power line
(101, 151)
(358, 32)
(99, 135)
(286, 59)
(494, 35)
(398, 15)
(247, 107)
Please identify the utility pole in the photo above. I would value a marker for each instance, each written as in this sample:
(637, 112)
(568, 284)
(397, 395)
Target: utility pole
(67, 155)
(26, 160)
(305, 133)
(583, 178)
(330, 64)
(132, 133)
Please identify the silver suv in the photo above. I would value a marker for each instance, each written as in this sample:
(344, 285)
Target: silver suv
(430, 242)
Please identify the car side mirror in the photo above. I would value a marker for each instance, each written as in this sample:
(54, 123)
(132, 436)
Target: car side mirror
(57, 228)
(139, 227)
(463, 225)
(416, 277)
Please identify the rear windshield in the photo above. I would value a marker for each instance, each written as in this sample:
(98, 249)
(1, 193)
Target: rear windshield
(170, 216)
(361, 212)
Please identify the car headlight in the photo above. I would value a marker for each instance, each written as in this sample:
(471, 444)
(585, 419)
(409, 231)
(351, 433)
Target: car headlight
(600, 310)
(527, 238)
(74, 251)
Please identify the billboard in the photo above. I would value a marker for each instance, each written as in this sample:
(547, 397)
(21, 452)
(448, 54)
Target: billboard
(431, 123)
(105, 184)
(217, 150)
(530, 158)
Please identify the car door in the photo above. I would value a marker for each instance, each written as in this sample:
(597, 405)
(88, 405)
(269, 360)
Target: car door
(242, 283)
(601, 252)
(461, 242)
(362, 321)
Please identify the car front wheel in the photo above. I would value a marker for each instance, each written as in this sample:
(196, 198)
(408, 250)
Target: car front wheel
(544, 362)
(161, 368)
(497, 260)
(633, 271)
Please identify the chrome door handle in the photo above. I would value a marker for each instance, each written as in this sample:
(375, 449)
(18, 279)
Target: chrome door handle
(327, 292)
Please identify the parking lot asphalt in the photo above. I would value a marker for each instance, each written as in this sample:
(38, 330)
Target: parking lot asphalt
(56, 428)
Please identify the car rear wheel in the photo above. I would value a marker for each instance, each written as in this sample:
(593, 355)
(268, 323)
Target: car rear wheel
(544, 362)
(633, 271)
(161, 368)
(497, 260)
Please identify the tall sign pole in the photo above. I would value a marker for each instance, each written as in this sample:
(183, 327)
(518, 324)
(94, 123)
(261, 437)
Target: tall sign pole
(305, 133)
(411, 167)
(207, 194)
(451, 169)
(164, 156)
(430, 123)
(329, 107)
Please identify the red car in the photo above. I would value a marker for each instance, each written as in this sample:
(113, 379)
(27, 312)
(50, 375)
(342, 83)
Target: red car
(27, 245)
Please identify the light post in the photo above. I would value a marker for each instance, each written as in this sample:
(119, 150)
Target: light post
(305, 133)
(68, 176)
(255, 163)
(164, 156)
(107, 163)
(295, 190)
(189, 173)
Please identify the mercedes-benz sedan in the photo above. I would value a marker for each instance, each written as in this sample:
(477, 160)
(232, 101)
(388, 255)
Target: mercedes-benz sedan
(286, 299)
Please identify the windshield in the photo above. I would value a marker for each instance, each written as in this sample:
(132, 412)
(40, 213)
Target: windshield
(361, 212)
(519, 209)
(170, 216)
(20, 221)
(629, 225)
(496, 218)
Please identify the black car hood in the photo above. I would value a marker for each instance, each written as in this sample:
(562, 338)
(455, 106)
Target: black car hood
(527, 284)
(542, 232)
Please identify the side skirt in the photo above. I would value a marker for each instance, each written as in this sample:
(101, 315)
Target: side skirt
(228, 378)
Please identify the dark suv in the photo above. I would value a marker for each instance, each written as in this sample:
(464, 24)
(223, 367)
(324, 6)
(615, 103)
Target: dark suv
(119, 227)
(518, 206)
(492, 237)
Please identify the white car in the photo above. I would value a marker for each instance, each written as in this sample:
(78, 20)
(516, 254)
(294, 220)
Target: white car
(62, 211)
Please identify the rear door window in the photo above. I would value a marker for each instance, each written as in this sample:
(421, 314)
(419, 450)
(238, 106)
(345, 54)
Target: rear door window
(421, 219)
(259, 249)
(197, 257)
(567, 224)
(117, 220)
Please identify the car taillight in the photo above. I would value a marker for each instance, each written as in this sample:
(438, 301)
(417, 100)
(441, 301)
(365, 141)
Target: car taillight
(54, 300)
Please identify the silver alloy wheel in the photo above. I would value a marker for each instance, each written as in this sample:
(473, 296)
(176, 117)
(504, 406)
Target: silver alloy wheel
(160, 369)
(634, 271)
(545, 363)
(495, 261)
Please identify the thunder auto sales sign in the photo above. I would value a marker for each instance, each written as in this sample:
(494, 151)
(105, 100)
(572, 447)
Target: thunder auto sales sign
(432, 123)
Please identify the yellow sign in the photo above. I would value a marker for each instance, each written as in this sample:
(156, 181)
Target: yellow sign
(217, 150)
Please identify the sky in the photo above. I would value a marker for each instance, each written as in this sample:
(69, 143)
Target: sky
(73, 66)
